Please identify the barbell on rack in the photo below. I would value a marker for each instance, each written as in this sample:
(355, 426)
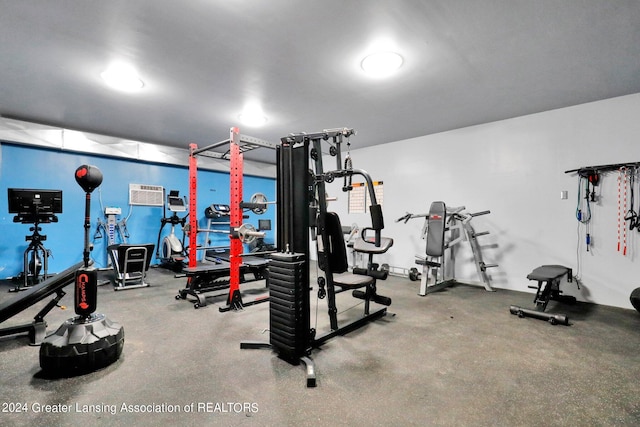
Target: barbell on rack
(247, 233)
(258, 204)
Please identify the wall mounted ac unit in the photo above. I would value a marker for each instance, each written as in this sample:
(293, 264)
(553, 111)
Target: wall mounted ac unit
(146, 195)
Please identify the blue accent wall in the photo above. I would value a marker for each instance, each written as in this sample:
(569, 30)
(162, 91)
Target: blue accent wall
(41, 168)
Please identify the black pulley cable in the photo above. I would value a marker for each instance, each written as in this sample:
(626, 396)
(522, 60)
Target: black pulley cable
(584, 216)
(637, 222)
(347, 185)
(348, 165)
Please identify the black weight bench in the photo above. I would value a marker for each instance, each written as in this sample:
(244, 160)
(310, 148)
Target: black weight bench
(34, 294)
(214, 275)
(549, 278)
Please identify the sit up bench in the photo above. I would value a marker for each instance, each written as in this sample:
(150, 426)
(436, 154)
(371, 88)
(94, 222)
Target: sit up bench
(549, 278)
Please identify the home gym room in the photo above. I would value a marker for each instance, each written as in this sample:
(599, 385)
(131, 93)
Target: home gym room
(256, 231)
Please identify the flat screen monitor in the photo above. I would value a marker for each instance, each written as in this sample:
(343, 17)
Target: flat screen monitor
(175, 203)
(264, 224)
(32, 201)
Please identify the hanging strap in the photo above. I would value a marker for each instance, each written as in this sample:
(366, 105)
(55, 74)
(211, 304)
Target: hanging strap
(631, 214)
(624, 229)
(584, 215)
(623, 182)
(619, 216)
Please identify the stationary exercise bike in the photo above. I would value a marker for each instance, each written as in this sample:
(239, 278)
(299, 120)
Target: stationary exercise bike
(171, 252)
(36, 256)
(34, 207)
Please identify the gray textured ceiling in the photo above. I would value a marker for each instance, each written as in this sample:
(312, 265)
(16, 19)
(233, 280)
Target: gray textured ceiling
(466, 62)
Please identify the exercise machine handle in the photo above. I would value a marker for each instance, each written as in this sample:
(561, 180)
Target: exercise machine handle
(405, 218)
(377, 221)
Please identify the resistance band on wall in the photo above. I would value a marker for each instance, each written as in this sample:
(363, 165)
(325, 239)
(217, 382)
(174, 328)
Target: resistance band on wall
(583, 208)
(631, 215)
(622, 203)
(589, 178)
(621, 231)
(626, 185)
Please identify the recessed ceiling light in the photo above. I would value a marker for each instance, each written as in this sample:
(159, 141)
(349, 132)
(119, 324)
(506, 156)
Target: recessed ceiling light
(381, 64)
(252, 116)
(122, 77)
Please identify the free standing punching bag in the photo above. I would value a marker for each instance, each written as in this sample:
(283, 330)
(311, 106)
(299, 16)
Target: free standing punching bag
(89, 341)
(635, 299)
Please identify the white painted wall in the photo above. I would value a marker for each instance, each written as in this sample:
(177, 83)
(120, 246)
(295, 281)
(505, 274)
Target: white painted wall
(515, 168)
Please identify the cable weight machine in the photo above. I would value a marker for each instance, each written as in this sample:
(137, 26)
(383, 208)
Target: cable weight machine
(301, 207)
(114, 228)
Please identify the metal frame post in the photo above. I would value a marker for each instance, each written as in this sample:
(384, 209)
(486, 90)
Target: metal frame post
(235, 193)
(193, 205)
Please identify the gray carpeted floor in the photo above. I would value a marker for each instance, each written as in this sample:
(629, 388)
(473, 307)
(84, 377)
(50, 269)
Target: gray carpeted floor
(453, 358)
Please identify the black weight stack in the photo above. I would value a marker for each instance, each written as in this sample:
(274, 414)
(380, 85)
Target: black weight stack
(288, 307)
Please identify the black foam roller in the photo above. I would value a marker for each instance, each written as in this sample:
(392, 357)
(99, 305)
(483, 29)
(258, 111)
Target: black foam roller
(554, 319)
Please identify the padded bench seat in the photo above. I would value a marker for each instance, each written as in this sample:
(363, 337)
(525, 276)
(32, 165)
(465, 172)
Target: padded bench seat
(352, 281)
(549, 272)
(549, 278)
